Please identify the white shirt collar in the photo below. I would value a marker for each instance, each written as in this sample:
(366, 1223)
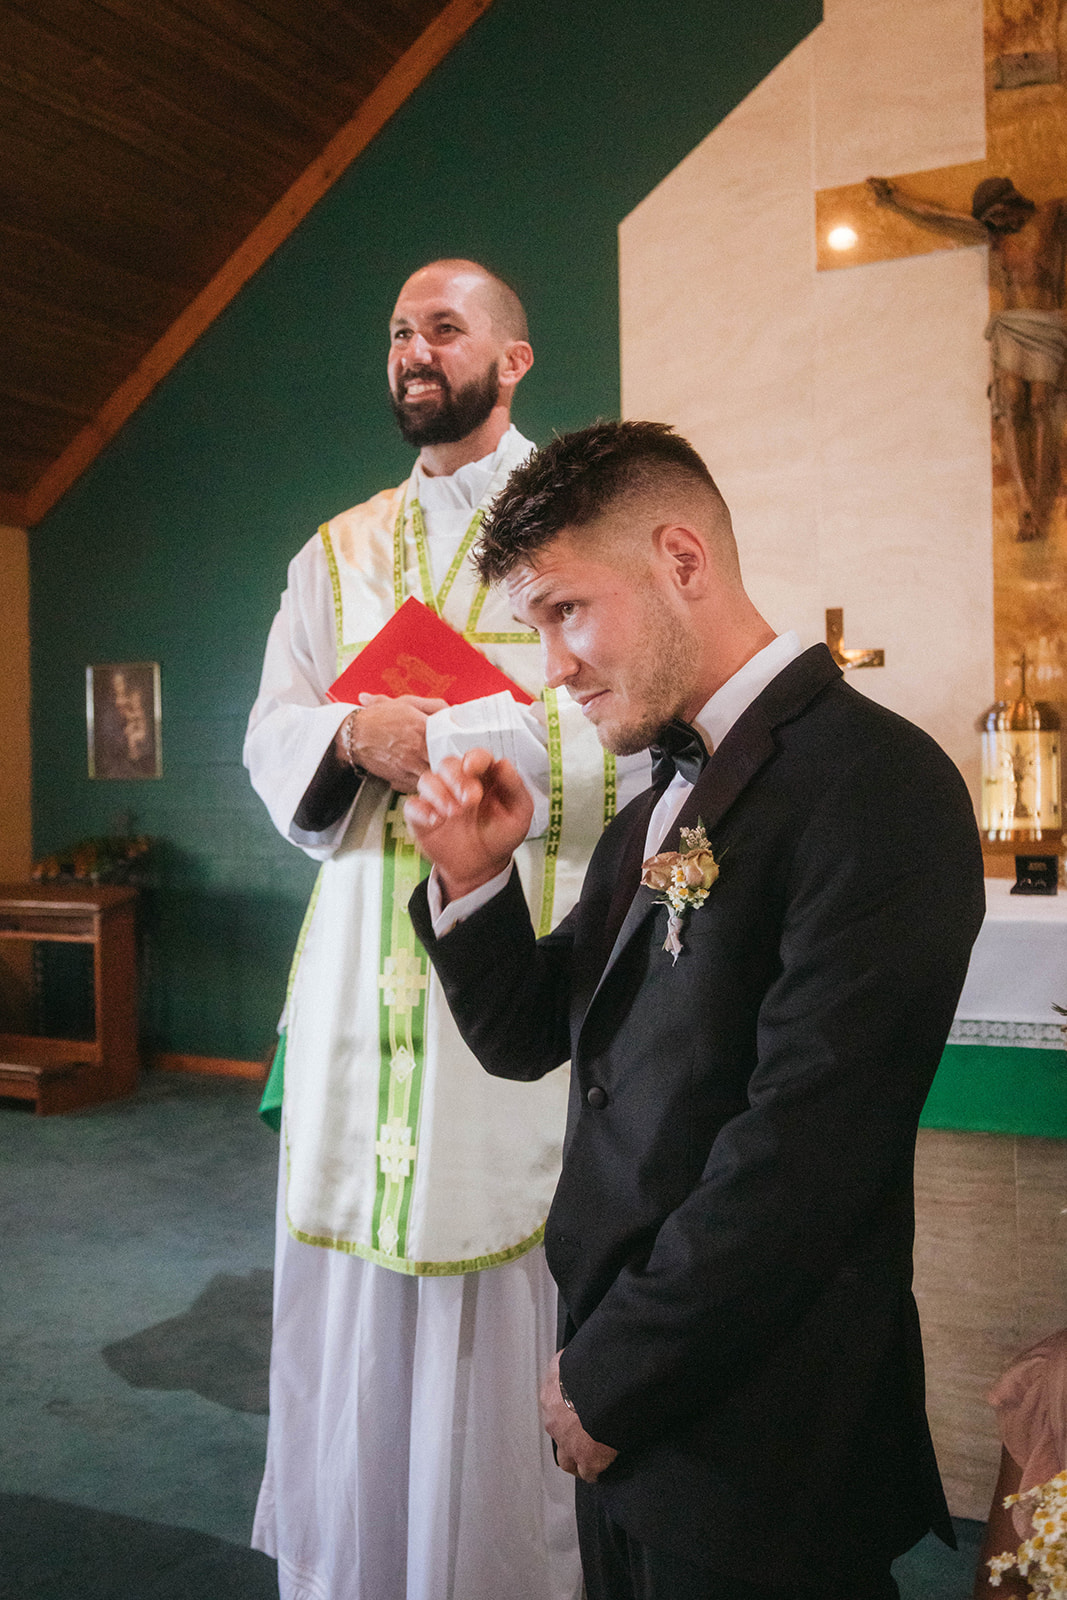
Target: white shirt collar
(715, 721)
(736, 695)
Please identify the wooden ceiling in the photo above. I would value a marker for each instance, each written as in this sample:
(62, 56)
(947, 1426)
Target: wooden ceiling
(152, 155)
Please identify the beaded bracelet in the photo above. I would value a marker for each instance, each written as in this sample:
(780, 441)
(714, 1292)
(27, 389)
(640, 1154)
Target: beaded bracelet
(346, 739)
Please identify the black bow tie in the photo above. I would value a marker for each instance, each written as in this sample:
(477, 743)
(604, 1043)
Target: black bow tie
(679, 748)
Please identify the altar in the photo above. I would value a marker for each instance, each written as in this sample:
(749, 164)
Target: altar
(991, 1182)
(1005, 1066)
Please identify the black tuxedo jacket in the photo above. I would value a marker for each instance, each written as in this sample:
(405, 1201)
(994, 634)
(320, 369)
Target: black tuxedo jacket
(732, 1230)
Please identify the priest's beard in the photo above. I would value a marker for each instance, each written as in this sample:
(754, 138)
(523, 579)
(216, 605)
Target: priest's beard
(457, 413)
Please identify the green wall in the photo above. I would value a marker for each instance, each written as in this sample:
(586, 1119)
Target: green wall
(542, 129)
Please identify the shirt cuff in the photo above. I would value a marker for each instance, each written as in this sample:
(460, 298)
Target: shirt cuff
(445, 918)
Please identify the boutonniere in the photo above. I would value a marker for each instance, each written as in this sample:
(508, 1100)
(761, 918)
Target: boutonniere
(684, 878)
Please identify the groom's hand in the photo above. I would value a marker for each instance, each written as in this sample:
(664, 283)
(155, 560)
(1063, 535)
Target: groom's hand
(576, 1451)
(469, 817)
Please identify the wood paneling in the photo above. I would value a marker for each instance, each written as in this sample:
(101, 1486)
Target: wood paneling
(143, 148)
(209, 1066)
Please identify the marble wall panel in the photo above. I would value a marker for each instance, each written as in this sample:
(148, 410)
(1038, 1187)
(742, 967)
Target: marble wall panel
(966, 1286)
(717, 309)
(905, 512)
(912, 98)
(747, 311)
(844, 414)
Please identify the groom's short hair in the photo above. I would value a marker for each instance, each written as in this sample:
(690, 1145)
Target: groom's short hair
(581, 477)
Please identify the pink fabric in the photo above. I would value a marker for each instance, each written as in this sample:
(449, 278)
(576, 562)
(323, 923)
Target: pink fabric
(1031, 1405)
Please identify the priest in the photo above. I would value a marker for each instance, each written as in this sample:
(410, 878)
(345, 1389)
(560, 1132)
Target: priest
(413, 1308)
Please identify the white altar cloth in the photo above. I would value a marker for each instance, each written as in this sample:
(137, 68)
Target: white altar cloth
(1018, 970)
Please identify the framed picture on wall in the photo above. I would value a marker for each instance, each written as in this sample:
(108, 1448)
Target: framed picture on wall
(122, 713)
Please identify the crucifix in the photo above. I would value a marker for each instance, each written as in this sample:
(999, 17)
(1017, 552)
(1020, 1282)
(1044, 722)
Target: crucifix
(847, 660)
(1020, 213)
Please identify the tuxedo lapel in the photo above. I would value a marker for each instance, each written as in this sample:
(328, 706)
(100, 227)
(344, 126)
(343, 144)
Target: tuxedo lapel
(613, 903)
(726, 776)
(628, 878)
(750, 742)
(734, 763)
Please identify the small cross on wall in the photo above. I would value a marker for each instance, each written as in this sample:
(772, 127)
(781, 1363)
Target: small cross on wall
(848, 660)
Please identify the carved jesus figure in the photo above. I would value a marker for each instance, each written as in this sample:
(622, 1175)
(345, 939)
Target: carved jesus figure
(1028, 335)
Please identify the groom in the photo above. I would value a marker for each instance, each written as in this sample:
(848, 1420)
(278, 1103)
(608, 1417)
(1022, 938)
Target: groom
(740, 1388)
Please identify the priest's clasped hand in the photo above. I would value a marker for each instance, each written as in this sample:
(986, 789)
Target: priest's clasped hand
(576, 1452)
(469, 817)
(387, 737)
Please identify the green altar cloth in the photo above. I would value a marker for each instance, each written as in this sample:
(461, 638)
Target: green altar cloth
(999, 1089)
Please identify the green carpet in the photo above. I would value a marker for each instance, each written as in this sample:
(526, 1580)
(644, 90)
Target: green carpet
(52, 1551)
(933, 1572)
(134, 1339)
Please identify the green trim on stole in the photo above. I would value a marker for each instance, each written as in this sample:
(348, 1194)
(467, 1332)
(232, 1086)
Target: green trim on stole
(421, 550)
(555, 812)
(404, 969)
(436, 602)
(611, 787)
(403, 980)
(422, 1269)
(335, 586)
(471, 634)
(501, 638)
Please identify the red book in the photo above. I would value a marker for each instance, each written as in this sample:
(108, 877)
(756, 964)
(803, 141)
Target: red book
(417, 653)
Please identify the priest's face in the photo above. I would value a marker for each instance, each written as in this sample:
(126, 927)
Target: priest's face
(610, 636)
(444, 357)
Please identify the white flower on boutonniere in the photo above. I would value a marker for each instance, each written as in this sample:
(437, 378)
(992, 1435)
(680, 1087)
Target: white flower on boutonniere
(684, 878)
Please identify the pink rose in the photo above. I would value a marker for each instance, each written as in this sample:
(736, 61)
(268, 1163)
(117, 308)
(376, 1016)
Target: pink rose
(700, 868)
(656, 871)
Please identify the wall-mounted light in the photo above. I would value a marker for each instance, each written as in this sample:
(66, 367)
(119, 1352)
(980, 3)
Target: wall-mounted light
(842, 238)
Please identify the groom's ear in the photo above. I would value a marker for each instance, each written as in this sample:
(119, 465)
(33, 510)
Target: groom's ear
(684, 557)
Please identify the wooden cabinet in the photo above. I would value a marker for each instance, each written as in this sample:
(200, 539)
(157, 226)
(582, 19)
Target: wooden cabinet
(65, 1074)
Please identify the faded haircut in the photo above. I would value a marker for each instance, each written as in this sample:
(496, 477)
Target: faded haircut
(580, 477)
